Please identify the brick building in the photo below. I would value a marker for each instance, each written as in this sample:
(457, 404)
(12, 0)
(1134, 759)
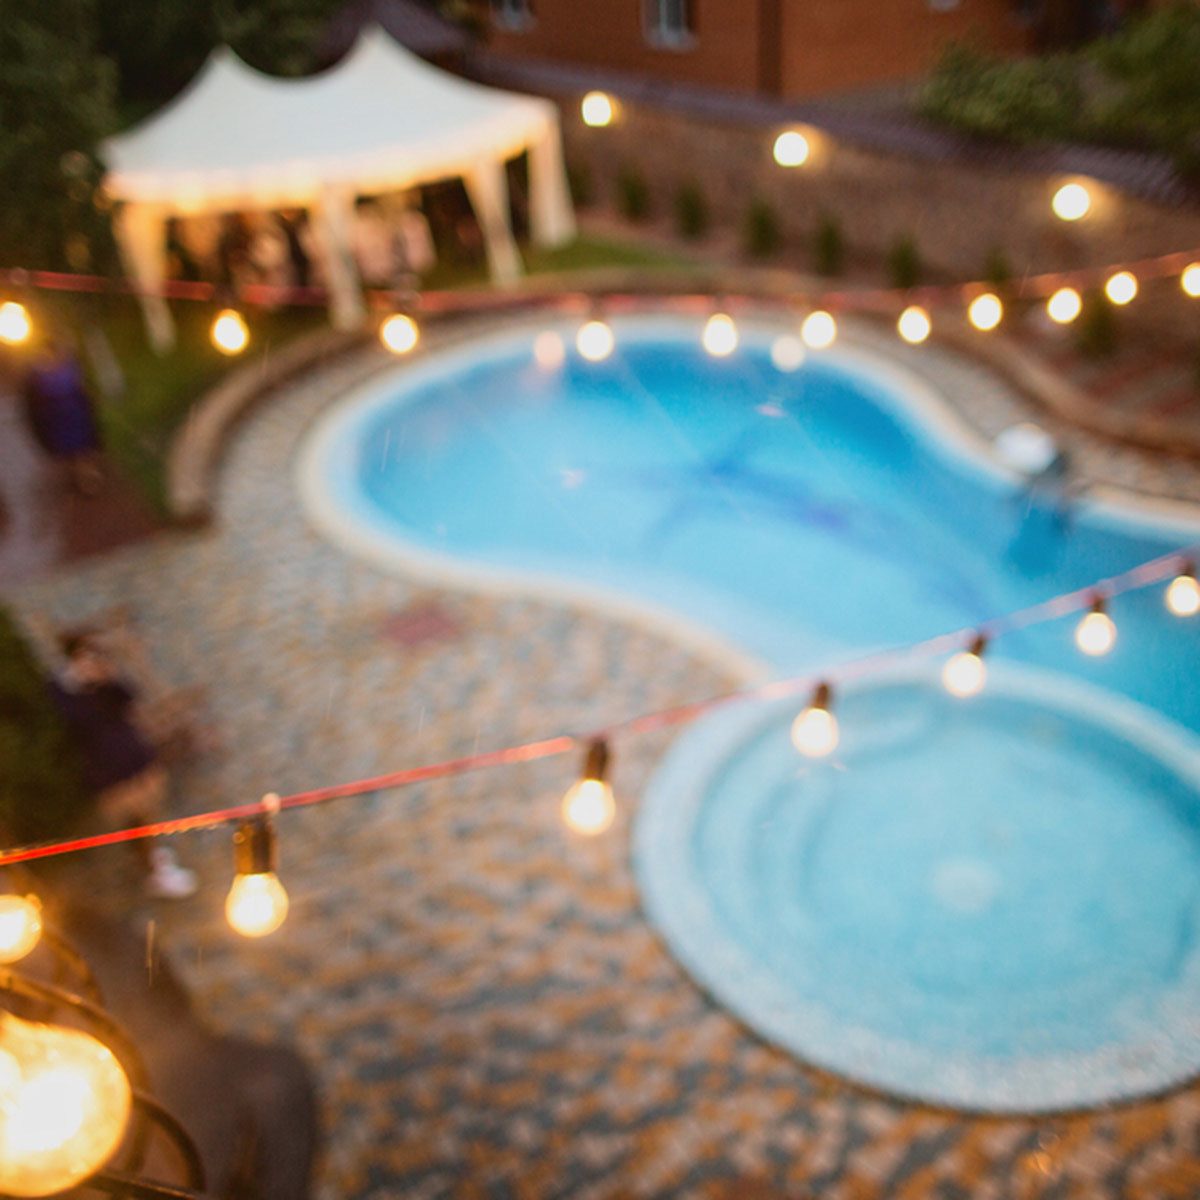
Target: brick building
(784, 48)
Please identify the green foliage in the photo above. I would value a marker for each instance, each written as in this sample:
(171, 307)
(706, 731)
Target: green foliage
(633, 194)
(1096, 332)
(1140, 88)
(41, 790)
(691, 211)
(829, 246)
(56, 97)
(279, 36)
(581, 184)
(904, 263)
(761, 235)
(997, 269)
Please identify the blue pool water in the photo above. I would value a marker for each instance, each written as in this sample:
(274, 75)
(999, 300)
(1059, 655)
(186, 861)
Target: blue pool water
(1008, 881)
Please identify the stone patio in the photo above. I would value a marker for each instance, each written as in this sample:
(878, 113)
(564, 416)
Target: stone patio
(485, 1008)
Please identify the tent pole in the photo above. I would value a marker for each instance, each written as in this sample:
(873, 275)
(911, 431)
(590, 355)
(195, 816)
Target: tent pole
(141, 238)
(551, 216)
(487, 188)
(334, 215)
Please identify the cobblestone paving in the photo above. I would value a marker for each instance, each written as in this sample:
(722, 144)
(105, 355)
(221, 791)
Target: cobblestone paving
(486, 1010)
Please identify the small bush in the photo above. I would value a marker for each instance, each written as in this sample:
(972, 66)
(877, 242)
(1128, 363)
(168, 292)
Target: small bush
(1096, 331)
(41, 788)
(904, 263)
(997, 269)
(691, 212)
(633, 194)
(581, 185)
(762, 235)
(829, 247)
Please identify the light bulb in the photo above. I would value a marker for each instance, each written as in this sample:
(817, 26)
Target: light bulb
(1190, 279)
(914, 325)
(815, 731)
(819, 330)
(548, 350)
(597, 110)
(791, 149)
(399, 333)
(1183, 593)
(595, 341)
(985, 312)
(1064, 306)
(588, 806)
(64, 1105)
(1096, 634)
(1071, 202)
(965, 673)
(787, 353)
(257, 903)
(230, 333)
(15, 325)
(720, 335)
(20, 926)
(1122, 287)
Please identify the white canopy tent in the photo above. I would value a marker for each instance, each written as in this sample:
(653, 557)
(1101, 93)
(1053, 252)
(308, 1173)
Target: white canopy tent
(381, 120)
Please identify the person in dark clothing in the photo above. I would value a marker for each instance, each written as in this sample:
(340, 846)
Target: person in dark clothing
(120, 768)
(292, 225)
(61, 415)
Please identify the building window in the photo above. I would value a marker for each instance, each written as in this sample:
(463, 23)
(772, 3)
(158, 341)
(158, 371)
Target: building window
(512, 14)
(669, 23)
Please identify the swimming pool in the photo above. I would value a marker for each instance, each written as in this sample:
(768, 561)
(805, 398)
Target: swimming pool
(787, 517)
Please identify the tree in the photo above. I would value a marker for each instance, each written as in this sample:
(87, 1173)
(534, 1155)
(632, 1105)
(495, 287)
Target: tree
(56, 104)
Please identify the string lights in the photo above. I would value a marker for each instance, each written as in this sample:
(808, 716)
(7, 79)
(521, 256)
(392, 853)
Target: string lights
(257, 903)
(1096, 633)
(1122, 287)
(815, 730)
(1183, 592)
(1072, 202)
(399, 333)
(230, 333)
(1064, 305)
(15, 325)
(819, 330)
(720, 338)
(20, 926)
(595, 340)
(985, 311)
(589, 806)
(791, 149)
(965, 673)
(914, 325)
(1189, 279)
(598, 110)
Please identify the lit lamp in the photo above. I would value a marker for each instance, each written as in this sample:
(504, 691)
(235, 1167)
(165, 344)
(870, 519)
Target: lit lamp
(20, 926)
(1183, 592)
(1071, 202)
(985, 312)
(819, 330)
(597, 110)
(15, 325)
(787, 353)
(595, 340)
(229, 332)
(1064, 306)
(1096, 634)
(815, 731)
(965, 673)
(720, 335)
(914, 325)
(257, 903)
(548, 350)
(791, 149)
(588, 806)
(64, 1105)
(1122, 287)
(1189, 280)
(399, 333)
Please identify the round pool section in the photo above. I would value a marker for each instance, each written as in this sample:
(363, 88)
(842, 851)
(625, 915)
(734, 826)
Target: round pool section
(989, 904)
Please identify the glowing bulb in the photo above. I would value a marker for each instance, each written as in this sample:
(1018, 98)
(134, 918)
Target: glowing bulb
(815, 731)
(985, 312)
(595, 341)
(20, 926)
(1064, 306)
(787, 353)
(588, 806)
(15, 325)
(1122, 287)
(965, 673)
(1096, 634)
(230, 334)
(64, 1105)
(548, 350)
(597, 110)
(1190, 279)
(720, 335)
(399, 333)
(257, 903)
(791, 149)
(914, 325)
(1183, 594)
(1071, 202)
(819, 330)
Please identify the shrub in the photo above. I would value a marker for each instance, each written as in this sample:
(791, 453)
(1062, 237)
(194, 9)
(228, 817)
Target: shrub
(41, 788)
(581, 184)
(904, 263)
(762, 234)
(633, 194)
(829, 247)
(1096, 331)
(691, 212)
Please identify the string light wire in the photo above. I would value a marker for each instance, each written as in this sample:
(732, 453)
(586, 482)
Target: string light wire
(1153, 571)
